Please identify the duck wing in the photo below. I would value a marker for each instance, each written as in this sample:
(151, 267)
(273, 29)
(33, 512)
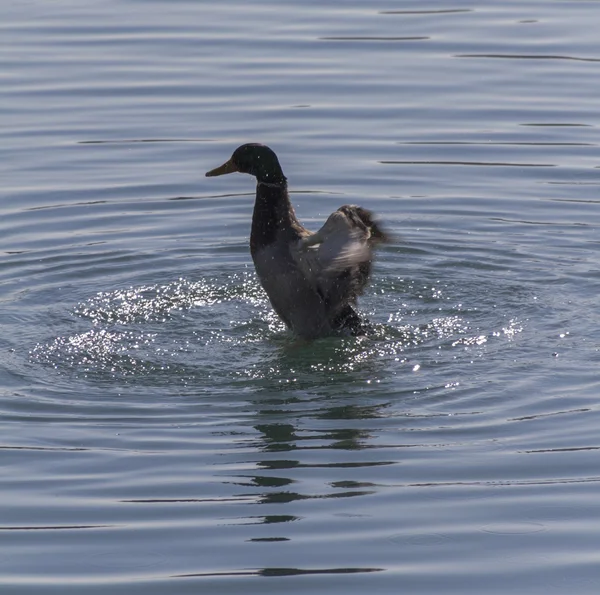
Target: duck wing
(337, 259)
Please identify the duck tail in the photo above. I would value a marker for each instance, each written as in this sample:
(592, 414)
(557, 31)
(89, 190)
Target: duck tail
(377, 233)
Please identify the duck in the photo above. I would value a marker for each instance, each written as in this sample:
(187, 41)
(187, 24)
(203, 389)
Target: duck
(312, 279)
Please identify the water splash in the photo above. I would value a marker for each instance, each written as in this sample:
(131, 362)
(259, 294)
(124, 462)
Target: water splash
(157, 302)
(223, 329)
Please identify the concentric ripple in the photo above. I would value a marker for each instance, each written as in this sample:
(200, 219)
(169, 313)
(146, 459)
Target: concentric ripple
(186, 330)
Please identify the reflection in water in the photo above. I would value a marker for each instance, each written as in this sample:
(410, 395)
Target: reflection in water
(475, 163)
(374, 38)
(432, 11)
(281, 572)
(529, 57)
(500, 143)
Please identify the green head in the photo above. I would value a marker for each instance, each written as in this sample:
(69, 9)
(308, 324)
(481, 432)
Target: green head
(254, 159)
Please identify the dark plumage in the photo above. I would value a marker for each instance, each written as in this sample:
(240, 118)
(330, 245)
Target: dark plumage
(312, 279)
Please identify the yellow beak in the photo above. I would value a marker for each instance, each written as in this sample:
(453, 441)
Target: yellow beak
(227, 168)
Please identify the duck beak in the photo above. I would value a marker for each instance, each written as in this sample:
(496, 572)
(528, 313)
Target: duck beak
(227, 168)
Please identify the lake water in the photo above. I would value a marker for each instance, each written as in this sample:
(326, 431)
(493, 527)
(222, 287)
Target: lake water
(161, 432)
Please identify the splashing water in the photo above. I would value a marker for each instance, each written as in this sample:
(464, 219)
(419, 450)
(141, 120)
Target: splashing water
(189, 330)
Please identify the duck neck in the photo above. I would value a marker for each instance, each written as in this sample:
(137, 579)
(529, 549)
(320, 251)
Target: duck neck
(273, 213)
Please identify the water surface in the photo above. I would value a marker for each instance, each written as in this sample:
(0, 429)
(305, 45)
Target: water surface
(162, 432)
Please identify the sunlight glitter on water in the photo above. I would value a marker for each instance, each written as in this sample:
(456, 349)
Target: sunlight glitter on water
(177, 322)
(159, 422)
(157, 302)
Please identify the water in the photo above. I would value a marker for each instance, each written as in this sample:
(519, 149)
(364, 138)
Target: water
(160, 430)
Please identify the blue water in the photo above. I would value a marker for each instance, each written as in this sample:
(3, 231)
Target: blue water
(161, 432)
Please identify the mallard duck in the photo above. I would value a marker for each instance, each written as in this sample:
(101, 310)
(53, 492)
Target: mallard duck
(312, 279)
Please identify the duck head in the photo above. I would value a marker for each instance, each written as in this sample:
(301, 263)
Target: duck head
(255, 159)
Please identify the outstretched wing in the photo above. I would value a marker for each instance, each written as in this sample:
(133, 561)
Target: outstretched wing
(337, 258)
